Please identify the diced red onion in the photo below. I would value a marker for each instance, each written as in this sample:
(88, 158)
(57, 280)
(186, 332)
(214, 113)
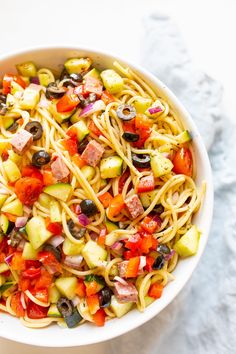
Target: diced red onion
(170, 255)
(55, 241)
(21, 245)
(21, 221)
(22, 300)
(154, 110)
(35, 80)
(83, 220)
(116, 246)
(76, 300)
(120, 280)
(142, 262)
(73, 261)
(43, 102)
(9, 258)
(134, 238)
(157, 219)
(92, 108)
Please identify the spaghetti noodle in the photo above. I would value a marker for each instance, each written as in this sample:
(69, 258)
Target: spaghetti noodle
(97, 194)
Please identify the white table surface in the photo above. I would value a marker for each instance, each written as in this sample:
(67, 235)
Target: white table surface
(208, 27)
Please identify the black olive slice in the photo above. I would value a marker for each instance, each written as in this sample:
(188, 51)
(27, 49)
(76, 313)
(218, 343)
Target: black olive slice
(40, 158)
(126, 112)
(158, 263)
(104, 297)
(130, 137)
(162, 248)
(69, 312)
(53, 91)
(141, 161)
(88, 207)
(75, 230)
(35, 128)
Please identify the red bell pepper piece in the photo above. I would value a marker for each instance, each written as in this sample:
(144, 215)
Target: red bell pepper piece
(116, 205)
(93, 303)
(16, 305)
(149, 225)
(70, 145)
(48, 259)
(183, 162)
(105, 199)
(155, 290)
(80, 288)
(45, 279)
(132, 267)
(68, 102)
(31, 273)
(28, 189)
(40, 294)
(149, 263)
(99, 317)
(102, 236)
(53, 227)
(35, 311)
(17, 262)
(146, 184)
(93, 128)
(31, 171)
(107, 97)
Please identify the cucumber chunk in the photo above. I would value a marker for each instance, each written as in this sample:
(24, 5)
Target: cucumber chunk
(184, 137)
(93, 73)
(120, 309)
(44, 200)
(112, 81)
(141, 104)
(3, 198)
(81, 129)
(88, 172)
(6, 286)
(160, 165)
(110, 226)
(59, 191)
(187, 245)
(55, 211)
(147, 198)
(72, 249)
(54, 294)
(14, 157)
(27, 69)
(45, 78)
(12, 170)
(59, 117)
(7, 122)
(37, 232)
(67, 286)
(53, 311)
(29, 252)
(111, 167)
(29, 99)
(4, 223)
(158, 104)
(93, 254)
(77, 65)
(15, 208)
(16, 88)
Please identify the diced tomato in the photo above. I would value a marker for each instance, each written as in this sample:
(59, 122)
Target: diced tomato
(48, 178)
(6, 82)
(107, 97)
(93, 85)
(48, 259)
(29, 263)
(23, 284)
(77, 159)
(31, 171)
(72, 132)
(149, 262)
(40, 294)
(105, 199)
(183, 162)
(146, 244)
(122, 180)
(134, 243)
(143, 128)
(44, 281)
(68, 102)
(54, 227)
(17, 262)
(70, 145)
(28, 190)
(92, 287)
(93, 128)
(155, 290)
(132, 267)
(102, 236)
(93, 303)
(80, 288)
(154, 244)
(35, 311)
(149, 225)
(116, 205)
(16, 305)
(99, 317)
(31, 273)
(146, 184)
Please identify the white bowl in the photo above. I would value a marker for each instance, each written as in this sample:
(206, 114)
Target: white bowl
(54, 336)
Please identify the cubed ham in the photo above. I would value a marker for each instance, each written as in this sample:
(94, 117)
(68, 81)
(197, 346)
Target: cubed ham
(125, 293)
(21, 141)
(59, 169)
(122, 266)
(134, 206)
(93, 152)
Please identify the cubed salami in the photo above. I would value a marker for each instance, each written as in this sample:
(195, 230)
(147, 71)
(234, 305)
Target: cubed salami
(134, 206)
(21, 141)
(125, 293)
(93, 153)
(59, 169)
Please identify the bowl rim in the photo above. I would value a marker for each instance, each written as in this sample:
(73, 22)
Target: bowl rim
(144, 317)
